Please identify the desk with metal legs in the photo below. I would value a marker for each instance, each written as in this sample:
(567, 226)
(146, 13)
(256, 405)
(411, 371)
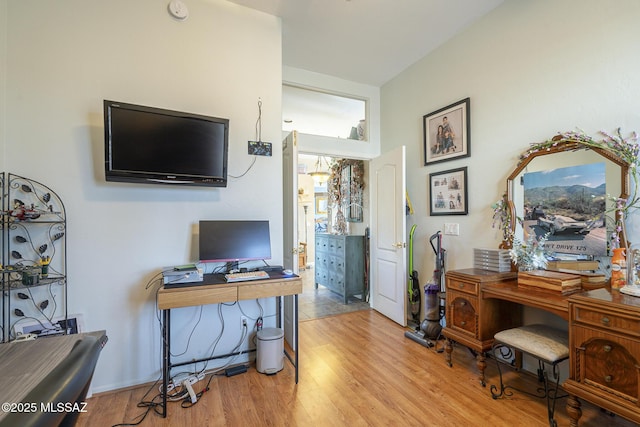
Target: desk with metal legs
(213, 290)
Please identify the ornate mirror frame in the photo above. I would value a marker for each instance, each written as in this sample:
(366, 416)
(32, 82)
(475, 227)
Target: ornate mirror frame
(560, 144)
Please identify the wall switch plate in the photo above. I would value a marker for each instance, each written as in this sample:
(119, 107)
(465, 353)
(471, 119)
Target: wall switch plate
(259, 148)
(452, 229)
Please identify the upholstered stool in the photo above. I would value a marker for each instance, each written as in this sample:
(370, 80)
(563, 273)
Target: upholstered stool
(548, 345)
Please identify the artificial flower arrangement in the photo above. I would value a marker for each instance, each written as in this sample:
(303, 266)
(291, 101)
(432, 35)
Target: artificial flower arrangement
(338, 189)
(502, 220)
(530, 254)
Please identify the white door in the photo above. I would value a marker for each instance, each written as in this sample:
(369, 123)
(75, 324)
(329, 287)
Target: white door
(290, 225)
(388, 235)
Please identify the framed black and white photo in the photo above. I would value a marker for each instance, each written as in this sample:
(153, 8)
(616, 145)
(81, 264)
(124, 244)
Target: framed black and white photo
(448, 192)
(446, 133)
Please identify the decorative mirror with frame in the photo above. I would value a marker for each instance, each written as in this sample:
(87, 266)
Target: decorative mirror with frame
(560, 151)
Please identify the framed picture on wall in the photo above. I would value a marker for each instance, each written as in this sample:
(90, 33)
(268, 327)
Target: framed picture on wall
(446, 133)
(322, 204)
(448, 192)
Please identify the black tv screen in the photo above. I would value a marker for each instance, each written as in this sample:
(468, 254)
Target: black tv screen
(224, 241)
(154, 145)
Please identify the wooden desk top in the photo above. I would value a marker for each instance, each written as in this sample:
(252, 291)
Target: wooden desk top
(204, 293)
(553, 302)
(481, 276)
(614, 299)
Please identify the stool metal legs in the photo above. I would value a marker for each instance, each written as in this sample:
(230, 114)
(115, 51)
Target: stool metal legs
(550, 392)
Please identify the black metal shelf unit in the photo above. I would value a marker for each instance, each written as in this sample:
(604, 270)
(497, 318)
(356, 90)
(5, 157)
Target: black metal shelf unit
(33, 270)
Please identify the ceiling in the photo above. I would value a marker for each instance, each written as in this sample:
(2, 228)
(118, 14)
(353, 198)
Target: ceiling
(366, 41)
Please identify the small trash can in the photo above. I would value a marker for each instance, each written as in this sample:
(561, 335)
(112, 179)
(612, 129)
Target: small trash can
(270, 351)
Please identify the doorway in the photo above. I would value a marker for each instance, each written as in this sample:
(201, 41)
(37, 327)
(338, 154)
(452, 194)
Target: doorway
(314, 216)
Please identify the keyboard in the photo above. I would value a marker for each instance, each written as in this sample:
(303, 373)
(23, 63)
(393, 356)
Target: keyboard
(246, 275)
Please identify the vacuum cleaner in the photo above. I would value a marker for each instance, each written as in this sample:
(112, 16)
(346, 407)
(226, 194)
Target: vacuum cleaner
(430, 328)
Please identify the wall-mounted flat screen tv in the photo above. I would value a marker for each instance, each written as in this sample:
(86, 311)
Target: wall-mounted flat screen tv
(159, 146)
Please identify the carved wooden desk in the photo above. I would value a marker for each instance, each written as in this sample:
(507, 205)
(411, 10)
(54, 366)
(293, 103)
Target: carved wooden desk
(604, 334)
(472, 320)
(604, 343)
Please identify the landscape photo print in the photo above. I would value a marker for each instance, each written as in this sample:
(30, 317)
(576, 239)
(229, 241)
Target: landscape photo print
(569, 206)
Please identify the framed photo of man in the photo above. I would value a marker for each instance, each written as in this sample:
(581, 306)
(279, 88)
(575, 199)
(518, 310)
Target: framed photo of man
(446, 133)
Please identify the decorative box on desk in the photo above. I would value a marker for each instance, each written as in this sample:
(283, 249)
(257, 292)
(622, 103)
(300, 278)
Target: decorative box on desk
(473, 320)
(553, 281)
(340, 264)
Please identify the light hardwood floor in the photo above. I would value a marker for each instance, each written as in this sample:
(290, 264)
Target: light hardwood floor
(314, 303)
(356, 369)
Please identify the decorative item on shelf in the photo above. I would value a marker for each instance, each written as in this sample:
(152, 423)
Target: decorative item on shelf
(502, 221)
(497, 260)
(345, 187)
(552, 281)
(30, 276)
(618, 268)
(44, 265)
(632, 287)
(530, 254)
(340, 224)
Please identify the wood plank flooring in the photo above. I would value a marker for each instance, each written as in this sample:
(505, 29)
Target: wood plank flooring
(356, 369)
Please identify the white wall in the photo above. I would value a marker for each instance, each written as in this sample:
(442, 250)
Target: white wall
(63, 58)
(3, 81)
(531, 69)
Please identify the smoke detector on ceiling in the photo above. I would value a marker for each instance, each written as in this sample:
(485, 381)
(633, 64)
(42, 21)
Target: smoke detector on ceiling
(178, 10)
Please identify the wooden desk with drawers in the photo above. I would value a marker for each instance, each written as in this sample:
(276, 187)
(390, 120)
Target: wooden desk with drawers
(472, 320)
(604, 334)
(604, 340)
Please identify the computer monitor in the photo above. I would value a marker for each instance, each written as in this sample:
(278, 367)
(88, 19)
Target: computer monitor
(232, 241)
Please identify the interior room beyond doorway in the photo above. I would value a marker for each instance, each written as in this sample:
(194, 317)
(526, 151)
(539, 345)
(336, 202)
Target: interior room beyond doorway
(314, 216)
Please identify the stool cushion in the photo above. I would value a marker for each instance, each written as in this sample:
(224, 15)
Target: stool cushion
(541, 341)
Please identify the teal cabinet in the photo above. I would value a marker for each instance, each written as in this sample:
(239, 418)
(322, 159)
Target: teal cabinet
(339, 264)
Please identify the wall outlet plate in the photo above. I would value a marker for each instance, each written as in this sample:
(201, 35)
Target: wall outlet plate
(451, 229)
(259, 148)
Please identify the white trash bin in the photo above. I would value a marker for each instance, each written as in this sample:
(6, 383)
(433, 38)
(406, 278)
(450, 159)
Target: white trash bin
(270, 351)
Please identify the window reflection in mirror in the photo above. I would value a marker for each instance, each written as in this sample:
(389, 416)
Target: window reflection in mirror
(324, 114)
(551, 206)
